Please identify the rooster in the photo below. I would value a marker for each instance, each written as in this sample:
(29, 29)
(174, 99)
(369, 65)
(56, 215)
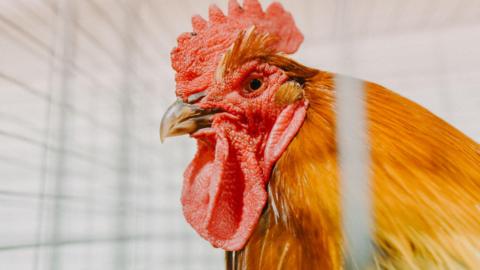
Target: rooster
(264, 183)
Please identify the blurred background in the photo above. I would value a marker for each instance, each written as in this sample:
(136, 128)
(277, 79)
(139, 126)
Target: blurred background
(85, 182)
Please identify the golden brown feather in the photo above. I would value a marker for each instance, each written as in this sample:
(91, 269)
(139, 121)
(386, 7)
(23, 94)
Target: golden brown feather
(426, 180)
(247, 46)
(426, 186)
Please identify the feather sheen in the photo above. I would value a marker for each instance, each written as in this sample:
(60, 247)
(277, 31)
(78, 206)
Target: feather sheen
(425, 186)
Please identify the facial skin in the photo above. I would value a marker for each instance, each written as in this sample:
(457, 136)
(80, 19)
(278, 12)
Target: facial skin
(246, 94)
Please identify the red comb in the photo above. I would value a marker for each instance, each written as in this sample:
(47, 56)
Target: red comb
(198, 53)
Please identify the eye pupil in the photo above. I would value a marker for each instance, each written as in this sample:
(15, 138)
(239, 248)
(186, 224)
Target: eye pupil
(255, 84)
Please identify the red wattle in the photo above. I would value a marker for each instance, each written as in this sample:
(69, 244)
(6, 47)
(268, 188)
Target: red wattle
(224, 189)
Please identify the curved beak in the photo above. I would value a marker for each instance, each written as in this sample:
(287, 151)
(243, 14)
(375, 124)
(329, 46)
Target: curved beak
(183, 118)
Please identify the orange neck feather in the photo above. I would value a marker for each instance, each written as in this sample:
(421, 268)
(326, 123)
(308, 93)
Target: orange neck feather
(426, 185)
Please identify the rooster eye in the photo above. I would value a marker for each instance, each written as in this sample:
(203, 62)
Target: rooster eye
(254, 84)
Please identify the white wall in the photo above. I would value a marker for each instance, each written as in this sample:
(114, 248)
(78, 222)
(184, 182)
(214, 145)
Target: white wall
(88, 185)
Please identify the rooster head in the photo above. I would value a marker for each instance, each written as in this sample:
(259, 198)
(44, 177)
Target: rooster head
(241, 98)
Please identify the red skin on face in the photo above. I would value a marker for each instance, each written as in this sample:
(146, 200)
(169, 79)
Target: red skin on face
(224, 190)
(225, 185)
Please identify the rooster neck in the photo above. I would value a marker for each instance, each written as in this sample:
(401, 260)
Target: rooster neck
(292, 223)
(425, 181)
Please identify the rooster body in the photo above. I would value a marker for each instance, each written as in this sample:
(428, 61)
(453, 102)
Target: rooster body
(426, 186)
(264, 184)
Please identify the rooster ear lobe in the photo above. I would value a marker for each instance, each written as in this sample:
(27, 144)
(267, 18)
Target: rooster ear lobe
(288, 93)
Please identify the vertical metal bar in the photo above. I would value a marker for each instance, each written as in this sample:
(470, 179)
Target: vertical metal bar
(44, 174)
(145, 168)
(66, 11)
(126, 116)
(92, 201)
(353, 148)
(352, 138)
